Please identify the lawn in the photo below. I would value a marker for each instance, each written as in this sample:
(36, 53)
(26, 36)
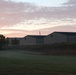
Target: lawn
(30, 63)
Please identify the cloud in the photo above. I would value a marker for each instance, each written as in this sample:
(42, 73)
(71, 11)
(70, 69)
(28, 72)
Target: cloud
(18, 13)
(71, 3)
(12, 13)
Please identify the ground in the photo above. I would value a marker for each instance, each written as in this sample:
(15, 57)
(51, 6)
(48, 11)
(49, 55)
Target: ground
(31, 63)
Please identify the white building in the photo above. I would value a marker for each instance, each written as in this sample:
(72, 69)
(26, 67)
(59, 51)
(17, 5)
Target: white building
(60, 37)
(55, 37)
(32, 40)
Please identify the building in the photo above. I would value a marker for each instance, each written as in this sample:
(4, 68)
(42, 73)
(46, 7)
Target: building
(60, 37)
(32, 40)
(13, 41)
(55, 37)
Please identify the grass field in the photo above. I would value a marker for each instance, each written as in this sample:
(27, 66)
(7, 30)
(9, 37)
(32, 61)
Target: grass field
(31, 63)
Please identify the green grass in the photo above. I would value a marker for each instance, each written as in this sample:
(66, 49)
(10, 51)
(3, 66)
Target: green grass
(26, 63)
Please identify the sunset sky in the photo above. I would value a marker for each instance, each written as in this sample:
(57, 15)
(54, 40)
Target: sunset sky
(24, 17)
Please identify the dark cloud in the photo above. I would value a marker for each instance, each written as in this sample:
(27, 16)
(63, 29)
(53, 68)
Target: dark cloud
(71, 3)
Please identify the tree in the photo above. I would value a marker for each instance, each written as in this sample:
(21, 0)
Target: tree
(2, 41)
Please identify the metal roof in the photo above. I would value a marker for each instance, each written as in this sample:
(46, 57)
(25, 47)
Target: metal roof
(67, 33)
(36, 36)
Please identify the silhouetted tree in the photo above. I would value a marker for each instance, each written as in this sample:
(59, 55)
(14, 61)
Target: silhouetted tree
(2, 41)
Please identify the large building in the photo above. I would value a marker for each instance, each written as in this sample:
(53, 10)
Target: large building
(13, 41)
(60, 37)
(55, 37)
(32, 40)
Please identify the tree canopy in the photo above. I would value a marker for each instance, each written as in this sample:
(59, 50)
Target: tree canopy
(2, 40)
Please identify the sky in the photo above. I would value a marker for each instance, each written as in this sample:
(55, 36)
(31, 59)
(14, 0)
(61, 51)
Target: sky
(27, 16)
(43, 2)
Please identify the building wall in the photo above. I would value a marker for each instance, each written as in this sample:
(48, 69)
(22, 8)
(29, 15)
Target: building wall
(28, 41)
(55, 38)
(49, 39)
(9, 42)
(39, 41)
(72, 39)
(13, 41)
